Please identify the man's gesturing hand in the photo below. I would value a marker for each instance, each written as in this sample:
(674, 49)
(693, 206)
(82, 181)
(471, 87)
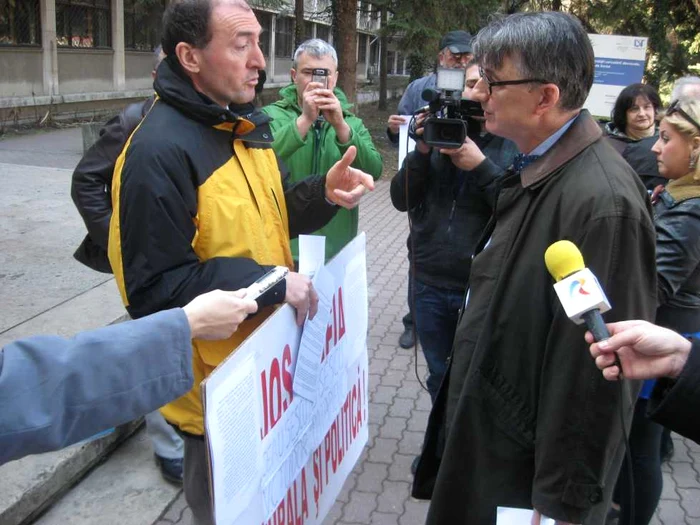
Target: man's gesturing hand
(345, 186)
(301, 295)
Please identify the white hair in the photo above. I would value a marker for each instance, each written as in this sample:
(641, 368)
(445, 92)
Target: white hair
(316, 48)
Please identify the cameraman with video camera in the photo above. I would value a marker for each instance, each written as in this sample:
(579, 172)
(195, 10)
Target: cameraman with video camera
(447, 193)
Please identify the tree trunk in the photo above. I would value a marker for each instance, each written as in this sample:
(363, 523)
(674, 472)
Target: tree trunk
(345, 37)
(298, 23)
(383, 45)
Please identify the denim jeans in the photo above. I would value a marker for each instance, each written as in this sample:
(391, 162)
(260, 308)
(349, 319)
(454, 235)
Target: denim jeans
(435, 317)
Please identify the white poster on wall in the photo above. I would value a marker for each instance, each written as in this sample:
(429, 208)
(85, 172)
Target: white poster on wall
(619, 62)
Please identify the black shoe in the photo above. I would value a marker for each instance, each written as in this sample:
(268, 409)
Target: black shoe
(414, 465)
(407, 338)
(170, 469)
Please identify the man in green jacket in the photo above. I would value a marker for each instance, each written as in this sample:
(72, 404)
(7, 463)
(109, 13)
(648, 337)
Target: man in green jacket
(313, 128)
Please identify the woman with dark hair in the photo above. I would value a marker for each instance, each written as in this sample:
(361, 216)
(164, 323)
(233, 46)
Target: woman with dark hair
(677, 222)
(632, 131)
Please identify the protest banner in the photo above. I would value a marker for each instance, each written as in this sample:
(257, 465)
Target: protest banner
(619, 62)
(276, 457)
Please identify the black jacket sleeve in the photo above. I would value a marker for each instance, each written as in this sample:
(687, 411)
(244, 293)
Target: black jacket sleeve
(409, 185)
(677, 247)
(307, 208)
(92, 178)
(676, 403)
(156, 216)
(92, 182)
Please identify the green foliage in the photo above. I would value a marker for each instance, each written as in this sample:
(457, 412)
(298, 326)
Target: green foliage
(672, 26)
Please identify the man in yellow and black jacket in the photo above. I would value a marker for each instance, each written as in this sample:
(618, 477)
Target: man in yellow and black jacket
(200, 201)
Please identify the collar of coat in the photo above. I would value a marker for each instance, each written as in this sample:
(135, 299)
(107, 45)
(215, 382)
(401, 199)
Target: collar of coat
(289, 99)
(583, 132)
(176, 89)
(687, 187)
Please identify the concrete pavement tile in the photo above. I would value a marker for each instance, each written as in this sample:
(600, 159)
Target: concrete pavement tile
(693, 447)
(416, 512)
(424, 402)
(400, 469)
(680, 452)
(411, 442)
(383, 518)
(410, 388)
(392, 378)
(418, 421)
(666, 467)
(684, 475)
(378, 330)
(373, 383)
(348, 487)
(383, 450)
(671, 513)
(400, 362)
(360, 507)
(176, 509)
(393, 497)
(378, 366)
(401, 406)
(372, 477)
(384, 393)
(690, 501)
(386, 351)
(378, 412)
(373, 431)
(669, 488)
(393, 427)
(334, 514)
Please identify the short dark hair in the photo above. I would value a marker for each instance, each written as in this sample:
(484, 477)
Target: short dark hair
(186, 21)
(548, 45)
(626, 99)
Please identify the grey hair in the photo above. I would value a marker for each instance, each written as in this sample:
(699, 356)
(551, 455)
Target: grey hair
(552, 46)
(685, 84)
(316, 48)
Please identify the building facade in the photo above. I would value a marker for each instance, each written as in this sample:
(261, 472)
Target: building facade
(73, 57)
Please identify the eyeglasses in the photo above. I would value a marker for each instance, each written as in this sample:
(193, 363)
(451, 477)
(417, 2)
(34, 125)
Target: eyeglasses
(675, 107)
(495, 83)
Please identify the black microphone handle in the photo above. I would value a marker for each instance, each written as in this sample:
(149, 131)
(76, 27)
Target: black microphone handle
(596, 325)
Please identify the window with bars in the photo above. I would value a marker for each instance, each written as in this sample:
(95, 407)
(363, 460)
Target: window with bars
(265, 20)
(361, 47)
(142, 24)
(284, 37)
(83, 23)
(20, 23)
(323, 32)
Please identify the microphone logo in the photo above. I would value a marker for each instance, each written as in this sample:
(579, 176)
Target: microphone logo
(577, 286)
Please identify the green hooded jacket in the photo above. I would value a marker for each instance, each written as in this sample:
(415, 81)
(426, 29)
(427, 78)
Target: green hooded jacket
(316, 153)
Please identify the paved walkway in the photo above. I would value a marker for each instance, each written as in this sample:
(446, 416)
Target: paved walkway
(377, 492)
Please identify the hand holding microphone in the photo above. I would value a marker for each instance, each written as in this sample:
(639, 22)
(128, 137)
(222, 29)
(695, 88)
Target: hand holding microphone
(578, 290)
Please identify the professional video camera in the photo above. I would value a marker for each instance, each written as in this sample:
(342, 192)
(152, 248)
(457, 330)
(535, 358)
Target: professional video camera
(446, 127)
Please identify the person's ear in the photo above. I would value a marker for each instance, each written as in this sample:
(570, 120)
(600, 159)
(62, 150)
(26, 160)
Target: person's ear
(293, 74)
(549, 98)
(188, 56)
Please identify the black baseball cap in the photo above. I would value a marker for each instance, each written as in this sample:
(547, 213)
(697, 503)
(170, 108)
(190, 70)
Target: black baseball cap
(457, 42)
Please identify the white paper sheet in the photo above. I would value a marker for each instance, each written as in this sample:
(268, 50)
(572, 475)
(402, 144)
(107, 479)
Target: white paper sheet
(511, 516)
(312, 253)
(313, 338)
(403, 140)
(237, 452)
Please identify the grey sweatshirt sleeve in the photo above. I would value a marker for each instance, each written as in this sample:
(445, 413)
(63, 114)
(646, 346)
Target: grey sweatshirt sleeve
(56, 391)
